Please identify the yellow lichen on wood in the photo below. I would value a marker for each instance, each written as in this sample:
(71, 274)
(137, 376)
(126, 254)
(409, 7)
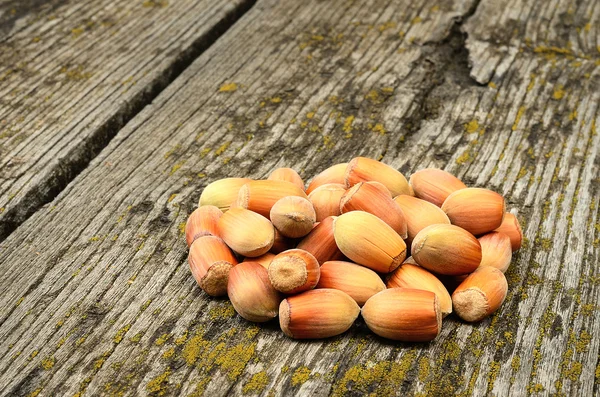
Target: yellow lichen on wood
(471, 126)
(328, 142)
(48, 363)
(159, 384)
(493, 374)
(251, 332)
(155, 3)
(35, 393)
(175, 168)
(222, 148)
(221, 311)
(168, 353)
(423, 369)
(137, 337)
(300, 376)
(464, 157)
(386, 376)
(194, 348)
(162, 339)
(228, 87)
(235, 359)
(559, 92)
(520, 113)
(200, 387)
(76, 32)
(347, 128)
(257, 383)
(379, 128)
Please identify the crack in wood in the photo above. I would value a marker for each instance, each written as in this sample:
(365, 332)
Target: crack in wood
(81, 155)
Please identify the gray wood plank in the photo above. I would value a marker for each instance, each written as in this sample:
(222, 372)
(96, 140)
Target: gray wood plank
(98, 296)
(72, 73)
(500, 30)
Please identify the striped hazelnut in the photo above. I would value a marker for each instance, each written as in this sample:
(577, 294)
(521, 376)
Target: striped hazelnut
(326, 200)
(476, 210)
(333, 174)
(294, 271)
(496, 250)
(369, 241)
(419, 214)
(320, 242)
(480, 294)
(251, 293)
(369, 198)
(362, 169)
(446, 249)
(413, 276)
(510, 226)
(260, 196)
(210, 261)
(434, 185)
(202, 222)
(246, 232)
(404, 314)
(381, 187)
(287, 175)
(357, 281)
(316, 314)
(222, 193)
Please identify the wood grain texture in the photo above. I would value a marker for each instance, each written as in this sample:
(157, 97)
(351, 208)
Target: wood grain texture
(98, 298)
(500, 30)
(72, 73)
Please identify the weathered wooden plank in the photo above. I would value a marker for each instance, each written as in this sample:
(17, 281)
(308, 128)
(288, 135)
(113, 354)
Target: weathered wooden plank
(72, 73)
(98, 297)
(501, 29)
(15, 13)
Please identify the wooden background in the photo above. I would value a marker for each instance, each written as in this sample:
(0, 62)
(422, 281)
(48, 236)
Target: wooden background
(115, 114)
